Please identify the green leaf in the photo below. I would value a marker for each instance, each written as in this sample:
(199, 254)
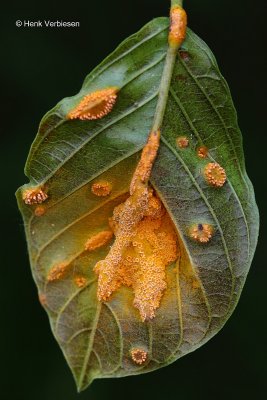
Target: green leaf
(68, 156)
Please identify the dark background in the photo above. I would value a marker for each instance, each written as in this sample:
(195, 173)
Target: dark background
(40, 66)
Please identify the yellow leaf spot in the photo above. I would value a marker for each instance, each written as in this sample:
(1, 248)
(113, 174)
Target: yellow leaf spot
(57, 272)
(80, 281)
(214, 174)
(182, 142)
(201, 232)
(35, 195)
(139, 356)
(95, 105)
(178, 22)
(101, 189)
(99, 240)
(202, 151)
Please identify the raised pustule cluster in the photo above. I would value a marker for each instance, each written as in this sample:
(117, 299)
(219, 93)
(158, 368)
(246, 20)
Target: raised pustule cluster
(182, 142)
(140, 254)
(35, 195)
(201, 232)
(215, 175)
(95, 105)
(138, 355)
(101, 188)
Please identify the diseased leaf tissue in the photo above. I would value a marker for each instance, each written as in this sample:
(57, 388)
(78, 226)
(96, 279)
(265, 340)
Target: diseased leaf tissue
(140, 247)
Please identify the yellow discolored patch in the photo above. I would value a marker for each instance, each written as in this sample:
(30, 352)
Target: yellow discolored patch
(80, 281)
(35, 195)
(101, 188)
(201, 232)
(95, 105)
(139, 356)
(57, 272)
(202, 152)
(182, 142)
(39, 211)
(145, 244)
(178, 22)
(98, 240)
(215, 175)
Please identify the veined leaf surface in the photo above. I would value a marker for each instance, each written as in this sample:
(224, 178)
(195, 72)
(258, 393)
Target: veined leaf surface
(69, 156)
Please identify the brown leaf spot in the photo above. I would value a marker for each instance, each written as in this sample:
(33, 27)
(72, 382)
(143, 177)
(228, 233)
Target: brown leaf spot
(95, 105)
(184, 55)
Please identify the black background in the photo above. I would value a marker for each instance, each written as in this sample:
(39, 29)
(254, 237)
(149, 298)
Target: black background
(40, 66)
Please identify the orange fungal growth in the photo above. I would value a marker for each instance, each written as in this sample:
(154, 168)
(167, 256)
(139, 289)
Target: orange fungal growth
(178, 22)
(34, 196)
(144, 167)
(80, 281)
(99, 240)
(39, 211)
(201, 232)
(101, 189)
(95, 105)
(139, 356)
(214, 174)
(145, 244)
(202, 151)
(182, 142)
(57, 272)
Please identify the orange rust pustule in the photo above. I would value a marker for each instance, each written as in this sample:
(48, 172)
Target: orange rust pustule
(201, 232)
(139, 356)
(139, 256)
(182, 142)
(144, 167)
(80, 281)
(95, 105)
(35, 195)
(215, 175)
(39, 211)
(58, 271)
(101, 188)
(202, 152)
(178, 23)
(98, 240)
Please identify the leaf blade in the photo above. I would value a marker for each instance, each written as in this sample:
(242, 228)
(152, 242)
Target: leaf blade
(204, 287)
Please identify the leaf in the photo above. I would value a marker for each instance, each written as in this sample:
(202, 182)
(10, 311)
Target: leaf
(69, 156)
